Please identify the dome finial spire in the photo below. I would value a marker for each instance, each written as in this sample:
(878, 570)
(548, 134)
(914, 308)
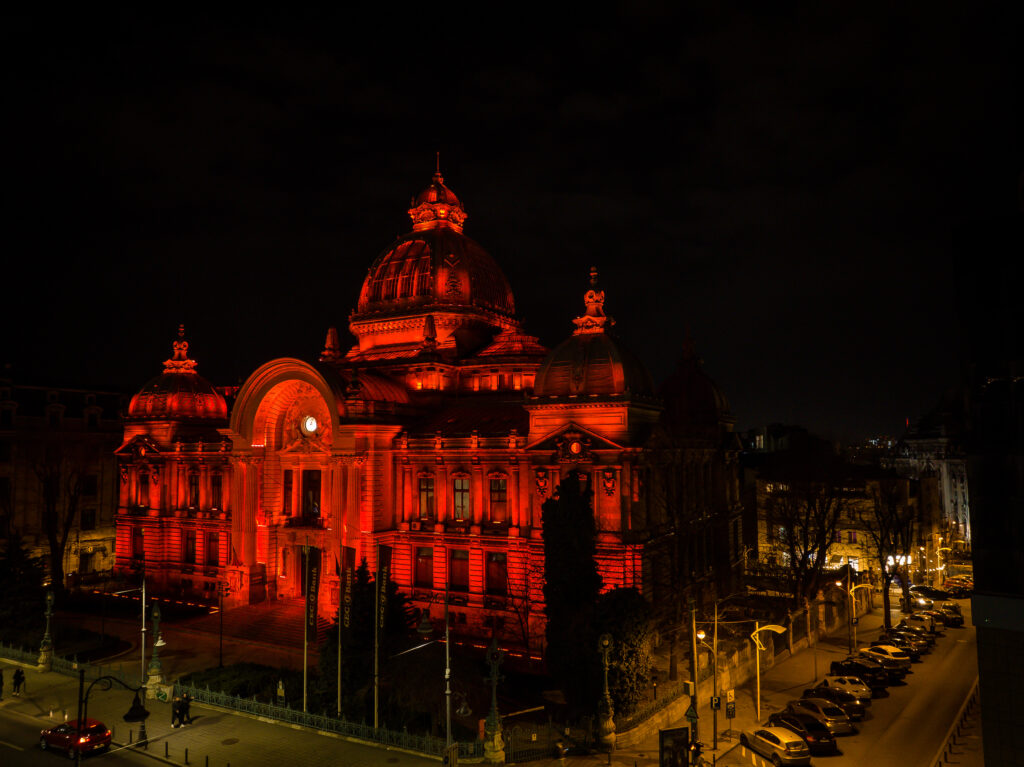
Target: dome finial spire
(179, 361)
(594, 319)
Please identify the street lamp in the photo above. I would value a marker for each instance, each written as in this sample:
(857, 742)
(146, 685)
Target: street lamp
(606, 711)
(852, 625)
(714, 659)
(137, 712)
(757, 659)
(142, 670)
(425, 630)
(156, 671)
(494, 746)
(46, 646)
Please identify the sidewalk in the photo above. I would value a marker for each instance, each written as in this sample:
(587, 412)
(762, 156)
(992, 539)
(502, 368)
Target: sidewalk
(223, 737)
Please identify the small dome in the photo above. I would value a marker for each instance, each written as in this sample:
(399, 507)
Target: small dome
(179, 392)
(694, 404)
(591, 361)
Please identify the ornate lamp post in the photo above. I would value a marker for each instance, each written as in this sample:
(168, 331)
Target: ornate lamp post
(137, 712)
(46, 646)
(156, 671)
(605, 711)
(852, 625)
(494, 745)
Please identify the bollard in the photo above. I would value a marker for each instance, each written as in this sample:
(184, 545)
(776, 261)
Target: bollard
(186, 756)
(165, 748)
(129, 736)
(207, 760)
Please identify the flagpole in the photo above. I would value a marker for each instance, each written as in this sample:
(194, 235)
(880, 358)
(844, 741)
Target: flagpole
(376, 646)
(305, 628)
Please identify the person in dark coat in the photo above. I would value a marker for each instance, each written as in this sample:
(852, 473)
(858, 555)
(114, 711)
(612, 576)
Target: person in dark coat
(176, 712)
(19, 680)
(186, 715)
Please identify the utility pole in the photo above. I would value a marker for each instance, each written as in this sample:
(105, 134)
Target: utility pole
(693, 665)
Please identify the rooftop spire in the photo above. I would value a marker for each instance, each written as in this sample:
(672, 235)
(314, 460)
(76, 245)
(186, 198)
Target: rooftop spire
(594, 319)
(332, 349)
(179, 362)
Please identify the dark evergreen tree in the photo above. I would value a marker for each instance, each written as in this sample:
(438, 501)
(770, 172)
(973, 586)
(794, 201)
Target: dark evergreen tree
(571, 588)
(21, 583)
(626, 615)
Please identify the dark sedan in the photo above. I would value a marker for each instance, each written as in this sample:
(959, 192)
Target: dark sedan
(910, 647)
(854, 708)
(819, 739)
(872, 673)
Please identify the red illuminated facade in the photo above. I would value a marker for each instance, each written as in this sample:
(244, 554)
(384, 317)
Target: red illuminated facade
(439, 433)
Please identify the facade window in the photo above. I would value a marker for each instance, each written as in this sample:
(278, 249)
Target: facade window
(85, 562)
(88, 519)
(460, 493)
(216, 491)
(286, 492)
(90, 485)
(838, 537)
(142, 490)
(458, 578)
(212, 549)
(499, 500)
(425, 567)
(426, 497)
(188, 554)
(138, 544)
(311, 492)
(193, 491)
(851, 536)
(497, 573)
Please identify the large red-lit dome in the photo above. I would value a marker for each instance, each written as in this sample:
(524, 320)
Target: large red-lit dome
(434, 265)
(694, 404)
(591, 361)
(179, 392)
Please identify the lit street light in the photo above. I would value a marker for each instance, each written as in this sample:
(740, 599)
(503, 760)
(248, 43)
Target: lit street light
(757, 662)
(137, 712)
(851, 632)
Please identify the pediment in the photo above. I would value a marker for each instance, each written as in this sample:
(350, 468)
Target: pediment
(562, 438)
(139, 446)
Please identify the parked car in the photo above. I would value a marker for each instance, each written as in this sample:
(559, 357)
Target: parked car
(852, 684)
(919, 630)
(951, 606)
(929, 592)
(950, 617)
(922, 619)
(891, 658)
(819, 740)
(826, 712)
(846, 701)
(68, 739)
(781, 745)
(958, 589)
(918, 602)
(867, 670)
(895, 639)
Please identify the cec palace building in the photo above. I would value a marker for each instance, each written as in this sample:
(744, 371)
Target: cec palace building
(437, 437)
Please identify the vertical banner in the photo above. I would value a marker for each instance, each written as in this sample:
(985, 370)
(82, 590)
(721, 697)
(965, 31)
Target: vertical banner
(312, 591)
(383, 571)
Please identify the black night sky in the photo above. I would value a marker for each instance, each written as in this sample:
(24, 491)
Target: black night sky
(787, 183)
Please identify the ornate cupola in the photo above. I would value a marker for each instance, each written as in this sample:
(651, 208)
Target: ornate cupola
(179, 393)
(434, 271)
(592, 361)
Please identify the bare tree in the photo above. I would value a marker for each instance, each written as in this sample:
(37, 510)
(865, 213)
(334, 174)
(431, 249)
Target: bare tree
(60, 484)
(805, 499)
(890, 522)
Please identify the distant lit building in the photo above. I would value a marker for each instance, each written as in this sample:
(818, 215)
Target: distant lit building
(438, 434)
(58, 443)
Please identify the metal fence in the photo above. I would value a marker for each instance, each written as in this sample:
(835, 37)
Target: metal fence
(18, 654)
(424, 744)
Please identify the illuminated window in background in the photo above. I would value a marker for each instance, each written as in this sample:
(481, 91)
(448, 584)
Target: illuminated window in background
(286, 492)
(188, 554)
(499, 500)
(193, 491)
(425, 567)
(426, 497)
(216, 491)
(458, 574)
(497, 573)
(460, 493)
(213, 549)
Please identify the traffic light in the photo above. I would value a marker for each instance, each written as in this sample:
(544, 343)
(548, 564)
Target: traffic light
(695, 748)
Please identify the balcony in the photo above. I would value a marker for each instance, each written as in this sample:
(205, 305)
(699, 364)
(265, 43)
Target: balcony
(307, 520)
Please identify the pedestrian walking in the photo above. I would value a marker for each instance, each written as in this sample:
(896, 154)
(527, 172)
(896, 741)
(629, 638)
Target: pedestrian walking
(186, 715)
(176, 712)
(19, 680)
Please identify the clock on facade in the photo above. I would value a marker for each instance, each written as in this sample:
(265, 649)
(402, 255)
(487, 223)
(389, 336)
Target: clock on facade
(308, 425)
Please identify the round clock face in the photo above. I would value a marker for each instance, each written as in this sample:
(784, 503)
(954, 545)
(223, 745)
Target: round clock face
(575, 447)
(308, 425)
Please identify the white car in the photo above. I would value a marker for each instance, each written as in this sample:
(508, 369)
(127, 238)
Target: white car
(852, 684)
(779, 744)
(888, 656)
